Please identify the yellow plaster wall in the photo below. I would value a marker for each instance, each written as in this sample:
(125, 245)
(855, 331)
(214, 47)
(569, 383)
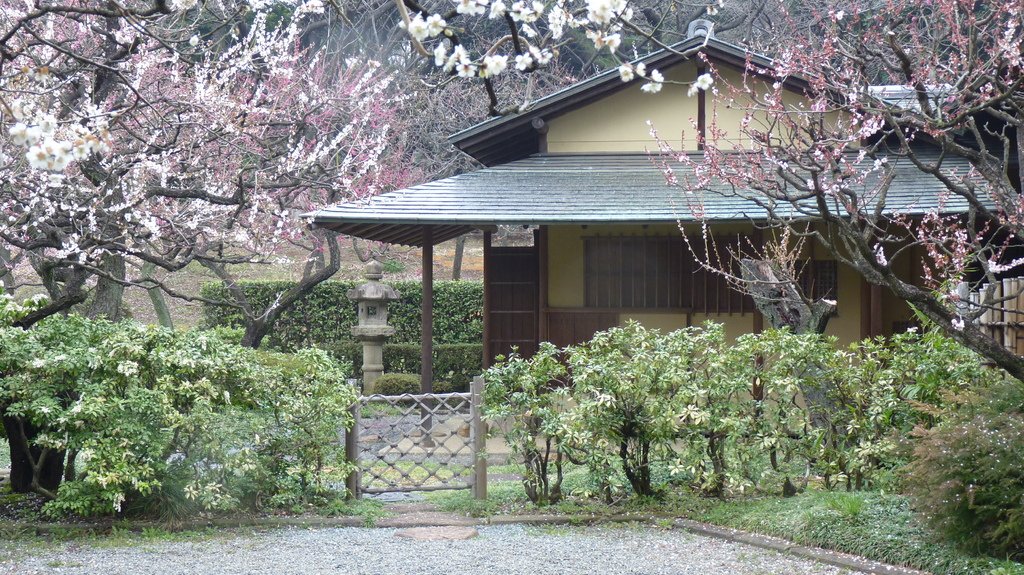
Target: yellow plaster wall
(566, 284)
(618, 123)
(621, 122)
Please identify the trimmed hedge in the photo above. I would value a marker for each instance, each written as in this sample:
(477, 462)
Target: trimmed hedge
(397, 384)
(326, 316)
(455, 365)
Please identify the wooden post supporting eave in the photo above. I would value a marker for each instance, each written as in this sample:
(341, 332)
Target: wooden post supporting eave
(487, 300)
(427, 314)
(877, 328)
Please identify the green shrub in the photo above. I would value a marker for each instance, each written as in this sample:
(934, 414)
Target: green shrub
(455, 364)
(522, 398)
(308, 401)
(326, 316)
(967, 475)
(397, 384)
(879, 390)
(730, 416)
(169, 422)
(449, 386)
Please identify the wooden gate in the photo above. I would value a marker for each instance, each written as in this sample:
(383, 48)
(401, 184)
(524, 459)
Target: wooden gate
(512, 306)
(423, 442)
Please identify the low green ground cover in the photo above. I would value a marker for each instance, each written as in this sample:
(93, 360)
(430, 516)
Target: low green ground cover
(874, 525)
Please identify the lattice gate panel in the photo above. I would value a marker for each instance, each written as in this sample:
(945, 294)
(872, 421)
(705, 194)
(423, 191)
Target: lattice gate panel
(418, 443)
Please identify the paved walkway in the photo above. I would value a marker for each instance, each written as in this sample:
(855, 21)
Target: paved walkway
(505, 549)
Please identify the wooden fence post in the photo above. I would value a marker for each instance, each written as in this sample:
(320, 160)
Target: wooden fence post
(479, 438)
(352, 450)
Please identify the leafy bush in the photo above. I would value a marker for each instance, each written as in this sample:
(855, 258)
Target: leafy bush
(879, 390)
(626, 385)
(966, 475)
(152, 418)
(397, 384)
(524, 403)
(326, 315)
(308, 400)
(729, 416)
(455, 364)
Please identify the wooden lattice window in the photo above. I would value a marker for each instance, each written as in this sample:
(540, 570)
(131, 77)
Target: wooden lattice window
(655, 272)
(819, 279)
(636, 271)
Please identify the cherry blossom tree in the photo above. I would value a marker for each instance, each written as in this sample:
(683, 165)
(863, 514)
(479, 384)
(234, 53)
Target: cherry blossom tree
(936, 86)
(484, 39)
(192, 134)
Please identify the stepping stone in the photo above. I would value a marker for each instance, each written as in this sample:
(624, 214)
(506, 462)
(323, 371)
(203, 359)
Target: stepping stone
(438, 533)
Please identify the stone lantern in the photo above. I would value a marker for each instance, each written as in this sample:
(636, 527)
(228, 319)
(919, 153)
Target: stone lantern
(372, 328)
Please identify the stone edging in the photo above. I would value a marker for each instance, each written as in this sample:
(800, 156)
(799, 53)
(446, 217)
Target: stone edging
(833, 558)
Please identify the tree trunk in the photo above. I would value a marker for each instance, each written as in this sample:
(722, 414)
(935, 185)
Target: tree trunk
(109, 293)
(258, 326)
(460, 249)
(780, 300)
(6, 275)
(51, 468)
(163, 313)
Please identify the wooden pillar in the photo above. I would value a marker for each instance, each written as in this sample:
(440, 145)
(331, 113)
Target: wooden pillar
(870, 310)
(427, 314)
(877, 328)
(487, 300)
(757, 237)
(701, 111)
(541, 242)
(353, 482)
(479, 430)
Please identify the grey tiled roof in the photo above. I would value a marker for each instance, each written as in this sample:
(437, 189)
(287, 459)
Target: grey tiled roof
(580, 189)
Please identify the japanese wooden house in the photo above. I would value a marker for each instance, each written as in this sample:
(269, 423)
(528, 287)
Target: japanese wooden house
(608, 247)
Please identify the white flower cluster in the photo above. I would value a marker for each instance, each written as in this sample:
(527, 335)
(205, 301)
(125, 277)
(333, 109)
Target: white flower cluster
(310, 7)
(421, 29)
(602, 12)
(603, 39)
(704, 82)
(45, 150)
(491, 65)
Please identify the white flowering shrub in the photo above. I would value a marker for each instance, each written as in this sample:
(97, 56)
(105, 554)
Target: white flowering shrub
(142, 415)
(526, 399)
(640, 408)
(306, 401)
(12, 311)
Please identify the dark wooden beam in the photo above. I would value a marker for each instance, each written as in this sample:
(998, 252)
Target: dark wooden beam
(542, 134)
(427, 314)
(541, 242)
(487, 300)
(701, 111)
(865, 309)
(877, 328)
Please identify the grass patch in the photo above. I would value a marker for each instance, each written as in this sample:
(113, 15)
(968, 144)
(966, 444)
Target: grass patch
(873, 525)
(870, 524)
(503, 497)
(369, 510)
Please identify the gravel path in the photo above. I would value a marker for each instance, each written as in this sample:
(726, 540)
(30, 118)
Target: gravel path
(506, 550)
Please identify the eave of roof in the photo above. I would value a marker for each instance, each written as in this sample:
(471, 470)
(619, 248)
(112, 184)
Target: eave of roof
(512, 137)
(581, 189)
